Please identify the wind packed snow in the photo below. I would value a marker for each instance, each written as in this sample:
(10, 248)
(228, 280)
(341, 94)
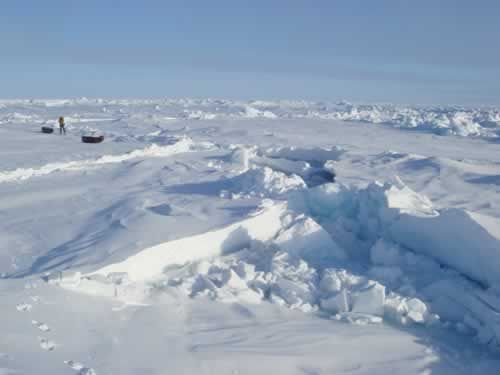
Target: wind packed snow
(214, 236)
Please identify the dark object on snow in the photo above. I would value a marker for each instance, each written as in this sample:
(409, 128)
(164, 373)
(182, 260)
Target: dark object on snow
(46, 129)
(92, 139)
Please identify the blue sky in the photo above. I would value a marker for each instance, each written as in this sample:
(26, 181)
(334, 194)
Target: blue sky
(427, 51)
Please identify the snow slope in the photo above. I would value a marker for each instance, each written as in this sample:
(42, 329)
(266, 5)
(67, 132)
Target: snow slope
(209, 236)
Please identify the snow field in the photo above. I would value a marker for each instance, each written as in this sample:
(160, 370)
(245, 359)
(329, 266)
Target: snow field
(451, 120)
(211, 202)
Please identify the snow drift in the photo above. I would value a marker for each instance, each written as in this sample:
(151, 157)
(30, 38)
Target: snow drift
(151, 262)
(359, 254)
(175, 146)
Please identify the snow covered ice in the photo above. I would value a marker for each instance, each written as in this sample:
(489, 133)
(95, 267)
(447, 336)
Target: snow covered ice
(232, 237)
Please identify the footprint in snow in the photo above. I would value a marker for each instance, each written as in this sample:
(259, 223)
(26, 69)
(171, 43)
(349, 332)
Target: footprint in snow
(41, 326)
(80, 368)
(47, 344)
(24, 307)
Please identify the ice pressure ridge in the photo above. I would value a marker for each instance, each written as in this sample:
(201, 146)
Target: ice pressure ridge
(355, 254)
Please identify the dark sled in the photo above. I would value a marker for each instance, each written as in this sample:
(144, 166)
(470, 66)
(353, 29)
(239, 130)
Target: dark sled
(47, 130)
(92, 139)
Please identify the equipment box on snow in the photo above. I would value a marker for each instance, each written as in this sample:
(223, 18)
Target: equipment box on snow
(92, 139)
(46, 129)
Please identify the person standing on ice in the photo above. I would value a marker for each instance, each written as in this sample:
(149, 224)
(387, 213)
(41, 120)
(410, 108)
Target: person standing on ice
(62, 128)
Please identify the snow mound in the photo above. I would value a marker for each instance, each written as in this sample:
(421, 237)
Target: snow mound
(252, 112)
(263, 182)
(448, 258)
(450, 236)
(151, 262)
(313, 165)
